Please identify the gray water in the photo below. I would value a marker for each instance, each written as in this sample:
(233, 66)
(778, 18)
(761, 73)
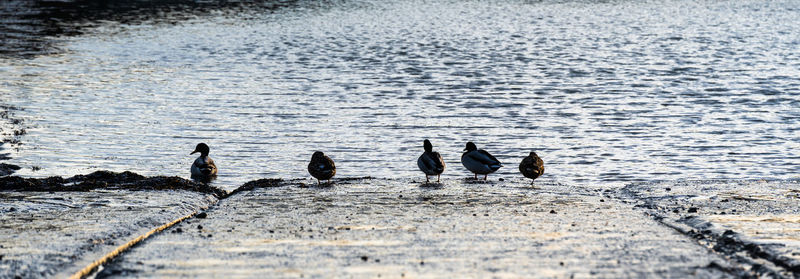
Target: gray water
(606, 93)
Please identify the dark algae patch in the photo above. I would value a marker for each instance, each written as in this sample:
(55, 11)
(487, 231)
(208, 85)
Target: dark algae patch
(260, 183)
(7, 169)
(105, 180)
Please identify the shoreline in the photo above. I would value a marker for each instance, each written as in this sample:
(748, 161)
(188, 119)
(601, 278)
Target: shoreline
(11, 129)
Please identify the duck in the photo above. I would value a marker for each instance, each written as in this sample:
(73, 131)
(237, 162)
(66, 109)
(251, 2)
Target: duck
(532, 166)
(321, 167)
(479, 161)
(203, 166)
(430, 162)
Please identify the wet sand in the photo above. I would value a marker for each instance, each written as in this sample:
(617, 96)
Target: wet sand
(364, 227)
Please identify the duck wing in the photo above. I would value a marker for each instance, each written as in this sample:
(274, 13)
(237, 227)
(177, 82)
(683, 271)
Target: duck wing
(532, 167)
(540, 165)
(210, 165)
(322, 168)
(204, 166)
(528, 168)
(431, 163)
(484, 157)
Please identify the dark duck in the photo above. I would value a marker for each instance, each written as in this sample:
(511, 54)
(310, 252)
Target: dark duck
(321, 167)
(478, 161)
(203, 166)
(430, 162)
(532, 166)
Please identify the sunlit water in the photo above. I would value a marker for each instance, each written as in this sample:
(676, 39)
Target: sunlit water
(604, 92)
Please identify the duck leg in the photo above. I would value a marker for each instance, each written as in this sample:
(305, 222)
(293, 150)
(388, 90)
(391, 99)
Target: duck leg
(318, 182)
(476, 176)
(484, 176)
(438, 178)
(426, 179)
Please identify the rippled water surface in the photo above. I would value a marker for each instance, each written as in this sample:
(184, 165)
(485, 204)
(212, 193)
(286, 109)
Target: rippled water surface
(605, 92)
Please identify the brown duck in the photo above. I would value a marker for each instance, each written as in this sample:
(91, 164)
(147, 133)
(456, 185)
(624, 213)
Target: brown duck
(321, 167)
(532, 166)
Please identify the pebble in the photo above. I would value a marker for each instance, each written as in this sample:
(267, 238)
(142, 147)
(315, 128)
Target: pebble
(364, 258)
(692, 210)
(202, 215)
(552, 211)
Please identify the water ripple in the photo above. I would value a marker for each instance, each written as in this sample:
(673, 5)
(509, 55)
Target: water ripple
(605, 92)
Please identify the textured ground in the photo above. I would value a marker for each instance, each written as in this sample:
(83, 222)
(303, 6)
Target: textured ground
(755, 223)
(396, 228)
(400, 228)
(54, 234)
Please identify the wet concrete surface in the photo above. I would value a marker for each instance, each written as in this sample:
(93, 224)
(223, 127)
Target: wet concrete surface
(755, 223)
(54, 234)
(399, 228)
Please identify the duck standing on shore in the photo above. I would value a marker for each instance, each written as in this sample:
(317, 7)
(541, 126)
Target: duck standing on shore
(532, 166)
(479, 161)
(430, 162)
(203, 166)
(321, 167)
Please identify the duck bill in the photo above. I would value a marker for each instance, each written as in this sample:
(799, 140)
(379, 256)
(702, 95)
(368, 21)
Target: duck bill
(193, 152)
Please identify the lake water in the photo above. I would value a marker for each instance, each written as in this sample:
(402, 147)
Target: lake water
(605, 92)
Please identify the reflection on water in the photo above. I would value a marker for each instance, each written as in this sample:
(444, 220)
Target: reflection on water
(28, 27)
(604, 92)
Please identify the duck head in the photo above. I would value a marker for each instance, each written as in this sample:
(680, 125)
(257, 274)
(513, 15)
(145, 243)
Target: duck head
(202, 148)
(470, 147)
(317, 155)
(428, 146)
(532, 154)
